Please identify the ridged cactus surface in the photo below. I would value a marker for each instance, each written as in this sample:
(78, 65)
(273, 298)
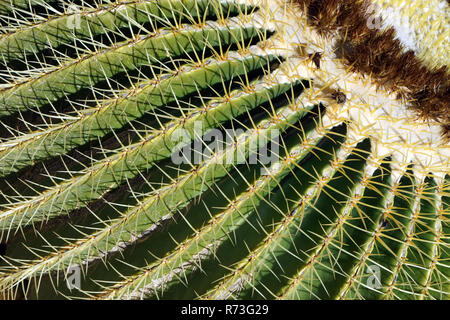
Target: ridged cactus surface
(160, 150)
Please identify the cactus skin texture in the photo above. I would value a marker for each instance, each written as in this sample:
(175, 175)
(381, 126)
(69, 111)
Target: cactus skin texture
(92, 104)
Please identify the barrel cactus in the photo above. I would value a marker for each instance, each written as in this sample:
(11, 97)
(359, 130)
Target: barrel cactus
(219, 149)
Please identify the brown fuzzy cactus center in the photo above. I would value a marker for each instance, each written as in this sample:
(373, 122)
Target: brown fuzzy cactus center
(378, 54)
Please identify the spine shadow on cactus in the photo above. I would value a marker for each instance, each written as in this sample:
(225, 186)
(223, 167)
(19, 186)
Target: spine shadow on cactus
(214, 88)
(49, 10)
(242, 122)
(107, 108)
(77, 158)
(253, 216)
(70, 43)
(340, 258)
(110, 87)
(158, 175)
(32, 8)
(203, 209)
(388, 246)
(316, 218)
